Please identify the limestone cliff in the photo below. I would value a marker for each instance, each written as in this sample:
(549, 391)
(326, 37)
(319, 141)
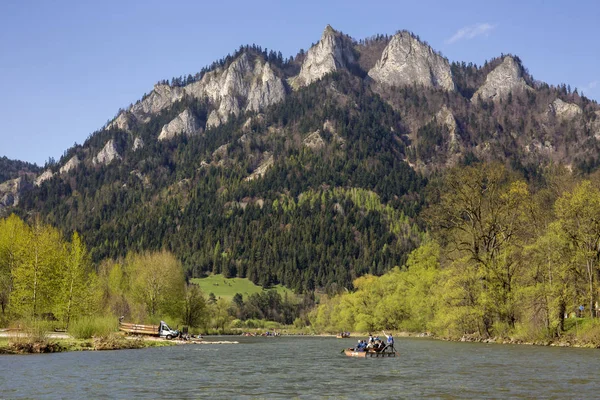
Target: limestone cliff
(47, 174)
(124, 121)
(107, 154)
(138, 143)
(502, 80)
(185, 123)
(160, 98)
(332, 53)
(564, 110)
(444, 117)
(11, 191)
(247, 84)
(259, 172)
(314, 140)
(213, 119)
(71, 164)
(408, 61)
(266, 90)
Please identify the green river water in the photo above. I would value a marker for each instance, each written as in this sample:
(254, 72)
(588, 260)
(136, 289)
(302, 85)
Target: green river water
(306, 368)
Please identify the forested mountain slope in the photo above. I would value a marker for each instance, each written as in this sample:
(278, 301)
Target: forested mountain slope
(309, 171)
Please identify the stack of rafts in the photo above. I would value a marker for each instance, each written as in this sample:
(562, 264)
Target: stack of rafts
(161, 330)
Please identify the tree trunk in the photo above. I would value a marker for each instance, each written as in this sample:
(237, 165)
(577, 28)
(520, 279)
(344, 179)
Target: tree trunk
(35, 271)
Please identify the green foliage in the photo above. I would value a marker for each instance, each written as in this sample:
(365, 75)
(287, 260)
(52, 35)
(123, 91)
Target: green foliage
(195, 310)
(401, 299)
(96, 326)
(504, 265)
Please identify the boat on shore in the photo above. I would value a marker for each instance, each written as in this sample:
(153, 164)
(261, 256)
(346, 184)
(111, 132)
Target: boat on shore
(343, 335)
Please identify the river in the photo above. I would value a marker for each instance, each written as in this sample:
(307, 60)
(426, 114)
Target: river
(305, 368)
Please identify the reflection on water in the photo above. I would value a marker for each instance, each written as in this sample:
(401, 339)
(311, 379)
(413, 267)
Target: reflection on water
(304, 367)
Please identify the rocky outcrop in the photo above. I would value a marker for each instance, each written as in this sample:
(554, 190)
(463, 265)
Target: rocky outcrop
(245, 85)
(248, 84)
(329, 126)
(125, 121)
(564, 110)
(47, 174)
(266, 89)
(185, 123)
(505, 78)
(221, 151)
(213, 120)
(332, 53)
(267, 162)
(538, 147)
(314, 140)
(444, 117)
(107, 154)
(160, 98)
(407, 61)
(138, 143)
(71, 164)
(595, 125)
(11, 191)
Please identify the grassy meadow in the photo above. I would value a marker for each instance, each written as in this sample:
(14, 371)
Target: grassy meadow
(226, 288)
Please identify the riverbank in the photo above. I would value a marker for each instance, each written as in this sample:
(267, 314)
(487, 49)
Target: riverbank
(21, 345)
(567, 340)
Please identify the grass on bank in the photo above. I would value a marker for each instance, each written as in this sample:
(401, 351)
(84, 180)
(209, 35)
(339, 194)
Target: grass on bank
(88, 327)
(226, 288)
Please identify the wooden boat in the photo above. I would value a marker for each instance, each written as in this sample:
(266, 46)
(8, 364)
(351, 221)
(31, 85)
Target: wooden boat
(386, 352)
(343, 335)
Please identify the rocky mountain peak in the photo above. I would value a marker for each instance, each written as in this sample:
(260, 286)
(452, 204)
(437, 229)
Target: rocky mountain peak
(332, 53)
(502, 80)
(407, 61)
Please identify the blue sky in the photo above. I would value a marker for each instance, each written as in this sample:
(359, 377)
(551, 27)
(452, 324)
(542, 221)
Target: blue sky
(66, 67)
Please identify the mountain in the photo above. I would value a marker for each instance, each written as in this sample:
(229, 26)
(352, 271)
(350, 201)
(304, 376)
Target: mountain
(308, 171)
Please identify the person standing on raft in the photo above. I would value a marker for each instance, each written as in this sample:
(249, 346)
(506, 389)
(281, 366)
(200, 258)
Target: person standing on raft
(390, 340)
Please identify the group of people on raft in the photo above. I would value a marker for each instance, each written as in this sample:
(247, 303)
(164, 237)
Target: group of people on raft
(375, 343)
